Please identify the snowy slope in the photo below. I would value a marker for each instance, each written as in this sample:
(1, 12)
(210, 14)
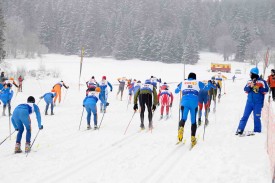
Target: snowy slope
(62, 153)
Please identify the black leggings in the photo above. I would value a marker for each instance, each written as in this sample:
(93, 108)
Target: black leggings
(145, 99)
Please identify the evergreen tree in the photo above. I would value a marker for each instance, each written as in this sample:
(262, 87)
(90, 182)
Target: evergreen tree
(243, 42)
(2, 39)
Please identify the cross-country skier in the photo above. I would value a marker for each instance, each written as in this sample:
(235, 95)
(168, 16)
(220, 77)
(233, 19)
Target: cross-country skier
(91, 85)
(220, 78)
(213, 93)
(48, 98)
(6, 95)
(57, 89)
(103, 84)
(145, 94)
(122, 81)
(21, 118)
(271, 83)
(204, 99)
(165, 98)
(256, 88)
(190, 89)
(90, 105)
(130, 87)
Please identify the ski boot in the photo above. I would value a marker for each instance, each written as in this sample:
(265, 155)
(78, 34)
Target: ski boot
(161, 117)
(239, 132)
(52, 113)
(88, 127)
(206, 122)
(142, 126)
(167, 116)
(193, 141)
(180, 133)
(150, 126)
(27, 147)
(199, 121)
(46, 112)
(4, 109)
(17, 148)
(95, 127)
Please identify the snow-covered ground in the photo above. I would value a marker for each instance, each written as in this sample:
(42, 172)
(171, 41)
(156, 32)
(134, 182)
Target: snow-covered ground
(62, 153)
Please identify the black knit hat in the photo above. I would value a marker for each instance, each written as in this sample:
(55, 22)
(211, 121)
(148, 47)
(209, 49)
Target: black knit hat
(192, 75)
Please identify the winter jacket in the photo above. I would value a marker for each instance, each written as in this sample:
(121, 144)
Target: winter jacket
(190, 90)
(6, 95)
(48, 97)
(271, 81)
(257, 92)
(30, 108)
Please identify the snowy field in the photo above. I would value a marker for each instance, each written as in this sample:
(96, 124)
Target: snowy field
(62, 153)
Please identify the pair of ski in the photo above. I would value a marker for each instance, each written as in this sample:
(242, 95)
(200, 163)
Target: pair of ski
(144, 130)
(165, 118)
(247, 133)
(183, 142)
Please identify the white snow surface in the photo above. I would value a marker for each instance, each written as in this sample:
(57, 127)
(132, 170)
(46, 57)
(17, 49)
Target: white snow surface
(62, 153)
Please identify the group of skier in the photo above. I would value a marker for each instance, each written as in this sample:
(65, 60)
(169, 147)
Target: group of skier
(150, 94)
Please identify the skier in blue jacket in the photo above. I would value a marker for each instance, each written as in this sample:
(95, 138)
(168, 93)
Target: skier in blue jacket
(256, 88)
(6, 95)
(103, 84)
(48, 98)
(21, 118)
(90, 105)
(204, 99)
(190, 90)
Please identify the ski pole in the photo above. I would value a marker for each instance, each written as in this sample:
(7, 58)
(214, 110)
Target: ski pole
(38, 101)
(129, 123)
(81, 118)
(101, 120)
(7, 137)
(65, 95)
(10, 123)
(204, 131)
(33, 142)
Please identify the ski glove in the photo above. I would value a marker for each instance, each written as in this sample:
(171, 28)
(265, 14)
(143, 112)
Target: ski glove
(107, 104)
(41, 128)
(83, 105)
(153, 108)
(16, 129)
(111, 90)
(135, 107)
(41, 97)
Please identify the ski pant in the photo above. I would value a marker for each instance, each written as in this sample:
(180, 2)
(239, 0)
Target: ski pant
(120, 90)
(273, 92)
(20, 87)
(257, 109)
(20, 118)
(47, 106)
(103, 97)
(184, 114)
(206, 103)
(5, 106)
(145, 99)
(165, 101)
(91, 108)
(57, 90)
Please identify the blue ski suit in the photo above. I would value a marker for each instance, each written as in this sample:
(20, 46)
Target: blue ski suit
(21, 118)
(255, 102)
(89, 103)
(48, 98)
(190, 90)
(104, 93)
